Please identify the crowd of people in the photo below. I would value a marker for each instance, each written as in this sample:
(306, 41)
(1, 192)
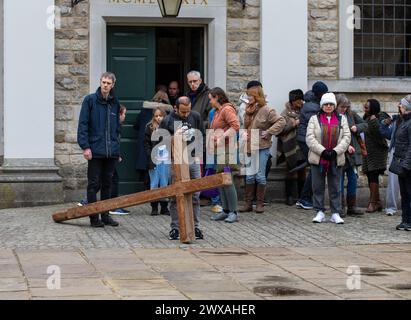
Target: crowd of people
(321, 141)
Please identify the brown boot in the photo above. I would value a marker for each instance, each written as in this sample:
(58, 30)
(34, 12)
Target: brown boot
(352, 206)
(374, 192)
(260, 198)
(248, 198)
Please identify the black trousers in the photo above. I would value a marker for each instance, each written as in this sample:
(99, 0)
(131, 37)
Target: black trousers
(100, 173)
(405, 190)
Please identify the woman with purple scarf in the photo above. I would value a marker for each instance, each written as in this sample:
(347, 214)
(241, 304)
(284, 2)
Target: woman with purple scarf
(328, 138)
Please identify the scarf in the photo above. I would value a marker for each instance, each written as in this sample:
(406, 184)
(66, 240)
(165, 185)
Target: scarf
(329, 139)
(194, 94)
(250, 112)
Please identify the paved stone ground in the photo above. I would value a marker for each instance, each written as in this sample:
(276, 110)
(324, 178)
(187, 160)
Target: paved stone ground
(33, 228)
(277, 255)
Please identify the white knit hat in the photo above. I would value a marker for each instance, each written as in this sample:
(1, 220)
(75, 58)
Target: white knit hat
(328, 98)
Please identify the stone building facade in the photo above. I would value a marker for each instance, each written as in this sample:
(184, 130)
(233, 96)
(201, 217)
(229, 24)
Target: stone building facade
(248, 54)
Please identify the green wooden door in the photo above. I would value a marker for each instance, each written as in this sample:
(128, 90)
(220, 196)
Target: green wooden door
(131, 56)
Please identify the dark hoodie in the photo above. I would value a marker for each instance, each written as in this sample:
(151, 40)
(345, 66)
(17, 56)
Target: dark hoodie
(310, 108)
(99, 125)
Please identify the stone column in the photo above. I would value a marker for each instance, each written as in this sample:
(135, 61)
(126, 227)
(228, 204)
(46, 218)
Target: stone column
(2, 84)
(284, 64)
(28, 175)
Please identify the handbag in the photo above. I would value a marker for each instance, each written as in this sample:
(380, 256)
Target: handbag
(361, 143)
(396, 167)
(210, 193)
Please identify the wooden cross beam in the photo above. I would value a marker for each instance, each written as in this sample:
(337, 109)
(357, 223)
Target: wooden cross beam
(182, 189)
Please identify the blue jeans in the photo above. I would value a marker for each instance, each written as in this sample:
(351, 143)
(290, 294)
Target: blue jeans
(216, 200)
(257, 173)
(159, 176)
(352, 181)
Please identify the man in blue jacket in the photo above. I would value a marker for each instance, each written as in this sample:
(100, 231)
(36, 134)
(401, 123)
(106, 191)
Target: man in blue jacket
(98, 135)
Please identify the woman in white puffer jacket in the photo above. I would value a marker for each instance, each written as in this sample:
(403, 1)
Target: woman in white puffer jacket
(328, 138)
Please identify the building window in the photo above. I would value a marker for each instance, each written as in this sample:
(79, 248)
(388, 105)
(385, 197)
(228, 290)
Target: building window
(382, 46)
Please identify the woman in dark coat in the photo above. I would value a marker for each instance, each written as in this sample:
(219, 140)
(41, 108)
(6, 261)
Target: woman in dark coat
(375, 162)
(402, 162)
(353, 158)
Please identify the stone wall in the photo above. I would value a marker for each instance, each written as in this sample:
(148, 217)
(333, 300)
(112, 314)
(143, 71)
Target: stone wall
(323, 53)
(243, 45)
(71, 85)
(323, 35)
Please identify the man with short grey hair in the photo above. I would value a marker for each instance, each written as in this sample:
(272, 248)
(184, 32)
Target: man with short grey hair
(198, 95)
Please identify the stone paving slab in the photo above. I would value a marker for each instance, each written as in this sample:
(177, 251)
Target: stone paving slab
(277, 255)
(213, 280)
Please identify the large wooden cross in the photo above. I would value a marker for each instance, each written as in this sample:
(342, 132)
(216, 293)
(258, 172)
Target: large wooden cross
(182, 189)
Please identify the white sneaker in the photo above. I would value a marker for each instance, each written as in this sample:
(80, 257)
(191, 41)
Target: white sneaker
(336, 218)
(320, 217)
(390, 212)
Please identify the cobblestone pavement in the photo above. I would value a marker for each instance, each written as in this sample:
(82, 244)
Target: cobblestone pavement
(279, 226)
(277, 255)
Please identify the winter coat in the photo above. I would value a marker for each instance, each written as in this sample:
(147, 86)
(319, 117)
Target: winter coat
(200, 103)
(264, 119)
(402, 151)
(287, 146)
(99, 125)
(314, 138)
(355, 159)
(225, 119)
(149, 145)
(377, 147)
(310, 108)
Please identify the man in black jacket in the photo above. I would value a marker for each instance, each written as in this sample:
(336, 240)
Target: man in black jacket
(188, 123)
(198, 95)
(98, 135)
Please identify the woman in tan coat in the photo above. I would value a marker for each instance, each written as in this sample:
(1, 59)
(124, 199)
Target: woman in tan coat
(328, 138)
(261, 123)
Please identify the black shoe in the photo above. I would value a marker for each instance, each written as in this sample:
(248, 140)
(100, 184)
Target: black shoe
(154, 208)
(407, 227)
(108, 221)
(96, 223)
(290, 201)
(401, 226)
(199, 234)
(174, 234)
